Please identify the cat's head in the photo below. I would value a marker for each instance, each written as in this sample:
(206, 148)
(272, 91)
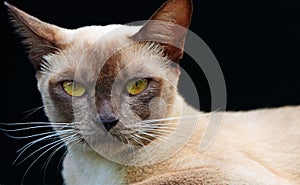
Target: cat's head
(117, 79)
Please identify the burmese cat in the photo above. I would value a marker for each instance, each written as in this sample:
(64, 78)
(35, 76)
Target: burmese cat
(110, 93)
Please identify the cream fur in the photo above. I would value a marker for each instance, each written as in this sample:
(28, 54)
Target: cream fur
(259, 147)
(253, 147)
(86, 167)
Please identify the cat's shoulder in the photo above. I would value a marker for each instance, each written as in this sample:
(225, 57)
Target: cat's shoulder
(277, 118)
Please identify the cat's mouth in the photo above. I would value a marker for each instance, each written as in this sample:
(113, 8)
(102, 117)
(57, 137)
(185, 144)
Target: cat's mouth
(118, 131)
(110, 132)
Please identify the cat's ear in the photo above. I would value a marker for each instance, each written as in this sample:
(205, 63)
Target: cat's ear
(168, 26)
(41, 38)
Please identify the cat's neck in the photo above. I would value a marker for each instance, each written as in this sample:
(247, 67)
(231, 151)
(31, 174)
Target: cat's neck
(85, 166)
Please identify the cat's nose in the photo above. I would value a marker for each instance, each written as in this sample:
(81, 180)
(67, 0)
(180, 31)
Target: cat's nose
(109, 123)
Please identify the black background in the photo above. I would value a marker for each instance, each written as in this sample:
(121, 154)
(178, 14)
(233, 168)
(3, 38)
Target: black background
(257, 44)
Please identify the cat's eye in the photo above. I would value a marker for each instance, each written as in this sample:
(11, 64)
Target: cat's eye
(135, 87)
(73, 88)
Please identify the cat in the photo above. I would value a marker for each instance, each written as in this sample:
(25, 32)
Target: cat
(110, 94)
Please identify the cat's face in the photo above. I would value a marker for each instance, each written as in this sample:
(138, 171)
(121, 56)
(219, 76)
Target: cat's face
(114, 79)
(114, 87)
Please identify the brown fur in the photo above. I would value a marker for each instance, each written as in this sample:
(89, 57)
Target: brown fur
(171, 36)
(259, 147)
(41, 38)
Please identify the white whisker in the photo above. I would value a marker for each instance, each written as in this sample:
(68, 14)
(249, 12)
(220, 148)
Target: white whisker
(129, 143)
(68, 148)
(32, 111)
(143, 138)
(49, 144)
(59, 143)
(28, 145)
(157, 135)
(30, 136)
(66, 142)
(55, 134)
(154, 127)
(36, 127)
(161, 131)
(34, 123)
(38, 140)
(137, 139)
(154, 136)
(169, 118)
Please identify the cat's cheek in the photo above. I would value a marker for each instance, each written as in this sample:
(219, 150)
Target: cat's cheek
(141, 110)
(140, 105)
(158, 107)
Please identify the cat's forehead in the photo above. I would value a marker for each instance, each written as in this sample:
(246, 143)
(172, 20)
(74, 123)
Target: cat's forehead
(92, 34)
(99, 40)
(90, 47)
(107, 49)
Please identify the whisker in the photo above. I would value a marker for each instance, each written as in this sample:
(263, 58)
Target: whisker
(154, 127)
(34, 123)
(155, 142)
(157, 131)
(66, 142)
(143, 138)
(46, 163)
(158, 124)
(40, 139)
(48, 160)
(58, 141)
(137, 139)
(32, 111)
(169, 118)
(39, 158)
(35, 127)
(130, 144)
(28, 145)
(30, 136)
(162, 131)
(119, 137)
(56, 134)
(68, 148)
(156, 136)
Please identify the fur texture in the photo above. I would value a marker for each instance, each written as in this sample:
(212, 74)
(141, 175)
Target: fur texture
(259, 147)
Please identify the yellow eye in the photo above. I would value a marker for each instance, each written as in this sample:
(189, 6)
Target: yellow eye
(137, 86)
(73, 89)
